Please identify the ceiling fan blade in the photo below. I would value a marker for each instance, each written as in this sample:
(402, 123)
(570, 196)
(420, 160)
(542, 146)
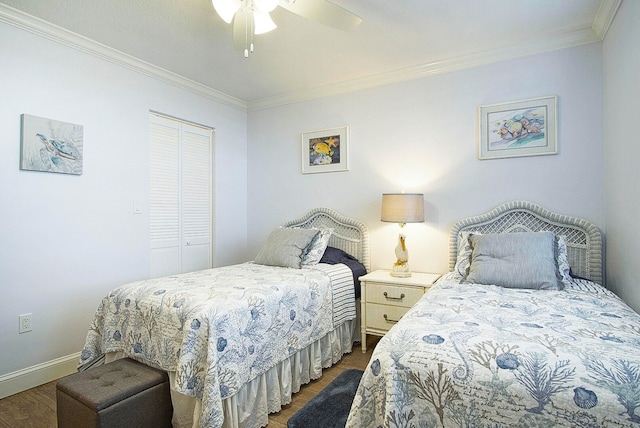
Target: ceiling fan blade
(266, 5)
(323, 12)
(263, 22)
(241, 30)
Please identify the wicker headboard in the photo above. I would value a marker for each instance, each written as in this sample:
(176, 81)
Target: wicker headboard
(349, 235)
(584, 240)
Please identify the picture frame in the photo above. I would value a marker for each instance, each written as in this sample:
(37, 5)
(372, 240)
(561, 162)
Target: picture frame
(326, 150)
(518, 128)
(49, 145)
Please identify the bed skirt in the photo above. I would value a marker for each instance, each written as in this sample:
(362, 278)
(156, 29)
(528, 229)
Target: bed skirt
(267, 393)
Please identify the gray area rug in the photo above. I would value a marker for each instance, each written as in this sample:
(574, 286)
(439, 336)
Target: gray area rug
(330, 408)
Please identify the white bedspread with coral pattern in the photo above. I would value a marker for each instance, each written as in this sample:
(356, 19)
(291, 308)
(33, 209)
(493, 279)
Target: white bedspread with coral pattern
(469, 355)
(216, 329)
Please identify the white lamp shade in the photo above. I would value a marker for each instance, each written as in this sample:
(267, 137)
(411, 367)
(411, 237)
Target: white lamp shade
(402, 207)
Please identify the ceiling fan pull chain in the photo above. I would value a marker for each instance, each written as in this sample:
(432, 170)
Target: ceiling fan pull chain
(246, 34)
(252, 30)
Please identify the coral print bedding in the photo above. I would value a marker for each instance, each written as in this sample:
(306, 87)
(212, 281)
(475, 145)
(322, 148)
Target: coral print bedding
(473, 355)
(219, 328)
(237, 341)
(511, 337)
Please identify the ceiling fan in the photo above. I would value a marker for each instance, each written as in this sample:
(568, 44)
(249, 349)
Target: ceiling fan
(251, 17)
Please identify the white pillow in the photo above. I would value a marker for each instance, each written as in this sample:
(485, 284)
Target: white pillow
(316, 250)
(562, 259)
(463, 260)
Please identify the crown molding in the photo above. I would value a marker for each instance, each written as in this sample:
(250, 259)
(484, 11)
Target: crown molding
(552, 42)
(68, 38)
(604, 17)
(576, 37)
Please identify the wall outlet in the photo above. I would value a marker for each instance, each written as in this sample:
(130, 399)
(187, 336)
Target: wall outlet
(25, 323)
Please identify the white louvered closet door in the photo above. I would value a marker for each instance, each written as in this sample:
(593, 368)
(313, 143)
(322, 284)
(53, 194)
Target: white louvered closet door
(181, 193)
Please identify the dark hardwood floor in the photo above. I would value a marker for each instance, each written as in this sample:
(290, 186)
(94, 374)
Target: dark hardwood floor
(36, 407)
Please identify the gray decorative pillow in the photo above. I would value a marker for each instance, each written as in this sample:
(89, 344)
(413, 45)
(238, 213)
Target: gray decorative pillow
(515, 260)
(285, 247)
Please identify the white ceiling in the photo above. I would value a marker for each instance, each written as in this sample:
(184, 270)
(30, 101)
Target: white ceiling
(398, 39)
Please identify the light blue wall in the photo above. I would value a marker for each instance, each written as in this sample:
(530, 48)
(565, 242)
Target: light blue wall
(421, 136)
(66, 240)
(622, 102)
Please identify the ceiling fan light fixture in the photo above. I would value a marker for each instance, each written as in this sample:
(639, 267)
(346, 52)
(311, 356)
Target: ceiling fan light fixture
(265, 5)
(262, 22)
(226, 8)
(251, 17)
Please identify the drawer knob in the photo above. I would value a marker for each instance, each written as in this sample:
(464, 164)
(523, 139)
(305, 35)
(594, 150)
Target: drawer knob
(387, 319)
(393, 298)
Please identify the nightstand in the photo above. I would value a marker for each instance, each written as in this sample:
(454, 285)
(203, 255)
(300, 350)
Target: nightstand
(385, 299)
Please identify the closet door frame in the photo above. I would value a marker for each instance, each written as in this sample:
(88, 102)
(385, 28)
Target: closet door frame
(179, 239)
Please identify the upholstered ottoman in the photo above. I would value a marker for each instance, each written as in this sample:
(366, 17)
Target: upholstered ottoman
(124, 393)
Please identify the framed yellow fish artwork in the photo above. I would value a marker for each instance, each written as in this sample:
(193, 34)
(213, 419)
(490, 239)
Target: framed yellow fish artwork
(326, 150)
(518, 128)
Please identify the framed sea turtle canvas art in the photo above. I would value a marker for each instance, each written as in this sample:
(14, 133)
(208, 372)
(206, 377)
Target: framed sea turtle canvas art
(326, 150)
(50, 145)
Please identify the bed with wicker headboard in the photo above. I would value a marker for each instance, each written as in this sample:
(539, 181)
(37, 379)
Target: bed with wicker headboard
(349, 235)
(583, 238)
(238, 340)
(519, 333)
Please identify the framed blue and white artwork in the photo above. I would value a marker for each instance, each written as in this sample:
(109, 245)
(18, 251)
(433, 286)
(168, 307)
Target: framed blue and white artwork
(518, 128)
(50, 145)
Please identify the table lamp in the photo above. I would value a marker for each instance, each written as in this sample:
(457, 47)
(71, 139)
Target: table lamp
(402, 208)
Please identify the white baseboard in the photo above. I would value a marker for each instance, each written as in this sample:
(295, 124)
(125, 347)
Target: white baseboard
(30, 377)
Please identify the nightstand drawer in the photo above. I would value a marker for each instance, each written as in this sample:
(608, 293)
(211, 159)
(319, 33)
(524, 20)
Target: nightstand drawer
(386, 298)
(383, 317)
(393, 295)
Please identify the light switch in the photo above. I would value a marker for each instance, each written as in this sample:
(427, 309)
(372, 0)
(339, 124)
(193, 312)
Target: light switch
(137, 209)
